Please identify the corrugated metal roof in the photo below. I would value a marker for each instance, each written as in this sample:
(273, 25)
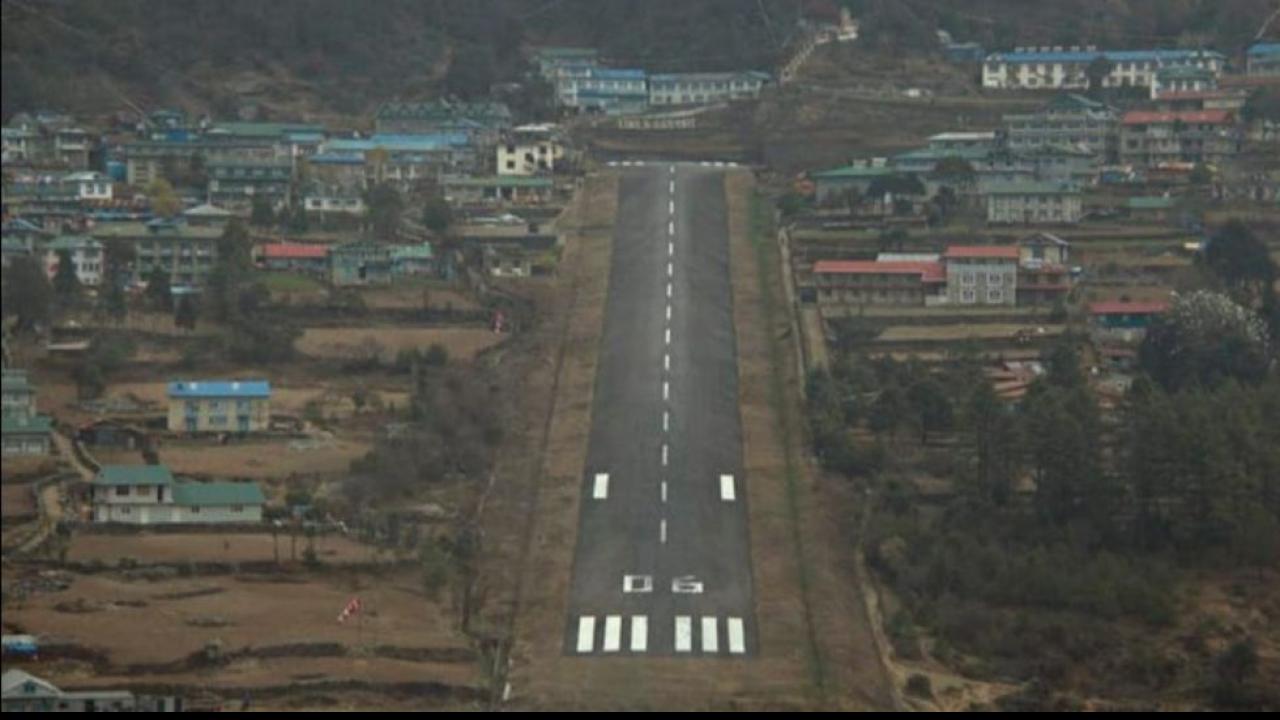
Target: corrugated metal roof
(134, 475)
(33, 425)
(1083, 56)
(1198, 117)
(928, 272)
(219, 388)
(205, 494)
(1006, 252)
(294, 251)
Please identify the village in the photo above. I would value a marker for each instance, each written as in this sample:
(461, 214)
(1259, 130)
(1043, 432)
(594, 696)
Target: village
(255, 368)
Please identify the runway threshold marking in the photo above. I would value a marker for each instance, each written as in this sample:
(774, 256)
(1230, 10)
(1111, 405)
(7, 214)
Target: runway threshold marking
(600, 491)
(684, 633)
(726, 488)
(612, 633)
(737, 636)
(586, 633)
(639, 633)
(710, 635)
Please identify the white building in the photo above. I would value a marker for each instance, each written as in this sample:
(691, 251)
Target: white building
(530, 150)
(149, 495)
(705, 88)
(982, 274)
(1052, 68)
(86, 256)
(90, 185)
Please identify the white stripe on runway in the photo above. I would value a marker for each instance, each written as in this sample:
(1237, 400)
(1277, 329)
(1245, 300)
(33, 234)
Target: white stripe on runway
(668, 313)
(668, 289)
(666, 421)
(666, 359)
(662, 531)
(586, 633)
(613, 633)
(664, 454)
(726, 488)
(671, 248)
(671, 228)
(639, 633)
(666, 390)
(668, 336)
(601, 489)
(664, 491)
(671, 169)
(671, 269)
(737, 638)
(673, 187)
(710, 638)
(684, 633)
(671, 207)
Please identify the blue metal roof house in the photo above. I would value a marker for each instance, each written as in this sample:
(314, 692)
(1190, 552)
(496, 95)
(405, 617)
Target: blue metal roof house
(219, 406)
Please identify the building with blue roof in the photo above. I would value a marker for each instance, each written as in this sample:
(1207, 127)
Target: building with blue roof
(219, 406)
(1263, 59)
(705, 88)
(1056, 68)
(610, 91)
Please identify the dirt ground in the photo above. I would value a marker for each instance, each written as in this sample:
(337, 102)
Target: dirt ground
(211, 547)
(349, 342)
(263, 459)
(151, 622)
(17, 500)
(984, 331)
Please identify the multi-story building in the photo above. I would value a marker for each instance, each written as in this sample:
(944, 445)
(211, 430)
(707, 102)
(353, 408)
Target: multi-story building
(530, 150)
(1056, 68)
(1151, 138)
(705, 88)
(360, 263)
(610, 91)
(1182, 78)
(187, 252)
(23, 429)
(1066, 120)
(219, 406)
(481, 122)
(237, 183)
(869, 282)
(86, 257)
(1263, 58)
(1044, 274)
(498, 190)
(150, 495)
(1041, 201)
(296, 257)
(981, 274)
(550, 59)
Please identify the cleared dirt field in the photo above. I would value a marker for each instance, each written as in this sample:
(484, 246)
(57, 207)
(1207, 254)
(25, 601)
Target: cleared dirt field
(417, 295)
(350, 342)
(210, 547)
(150, 622)
(941, 333)
(262, 459)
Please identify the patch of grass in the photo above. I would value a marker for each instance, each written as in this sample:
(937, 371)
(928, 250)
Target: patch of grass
(289, 282)
(767, 261)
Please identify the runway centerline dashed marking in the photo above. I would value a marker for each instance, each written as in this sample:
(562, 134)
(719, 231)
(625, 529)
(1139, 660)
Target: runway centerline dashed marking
(726, 488)
(668, 289)
(666, 390)
(671, 248)
(668, 313)
(671, 227)
(666, 359)
(671, 270)
(600, 491)
(671, 207)
(664, 491)
(664, 454)
(668, 336)
(666, 421)
(662, 531)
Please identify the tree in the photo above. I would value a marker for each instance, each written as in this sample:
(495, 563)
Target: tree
(186, 313)
(164, 201)
(1243, 263)
(471, 71)
(1206, 339)
(997, 445)
(27, 294)
(888, 412)
(112, 301)
(1097, 71)
(385, 206)
(66, 283)
(930, 406)
(158, 292)
(437, 215)
(262, 215)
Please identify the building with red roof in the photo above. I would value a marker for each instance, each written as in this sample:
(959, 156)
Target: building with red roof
(1152, 137)
(295, 256)
(869, 282)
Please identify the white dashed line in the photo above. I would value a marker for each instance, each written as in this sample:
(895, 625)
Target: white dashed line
(639, 633)
(684, 633)
(671, 270)
(664, 491)
(671, 227)
(710, 636)
(586, 633)
(726, 488)
(666, 421)
(668, 313)
(668, 336)
(601, 489)
(671, 207)
(737, 638)
(662, 531)
(673, 187)
(668, 289)
(671, 169)
(664, 454)
(666, 390)
(666, 359)
(671, 248)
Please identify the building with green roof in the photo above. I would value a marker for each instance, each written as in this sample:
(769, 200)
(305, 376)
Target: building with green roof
(837, 182)
(25, 431)
(150, 495)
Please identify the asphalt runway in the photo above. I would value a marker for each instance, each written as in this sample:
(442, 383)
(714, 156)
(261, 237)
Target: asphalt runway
(662, 564)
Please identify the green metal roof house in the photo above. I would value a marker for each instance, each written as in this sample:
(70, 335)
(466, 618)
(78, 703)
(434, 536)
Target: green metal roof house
(150, 495)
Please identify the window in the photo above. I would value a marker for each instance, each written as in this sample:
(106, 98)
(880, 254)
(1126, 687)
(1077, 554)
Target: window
(122, 491)
(995, 296)
(968, 296)
(968, 279)
(994, 278)
(237, 508)
(195, 509)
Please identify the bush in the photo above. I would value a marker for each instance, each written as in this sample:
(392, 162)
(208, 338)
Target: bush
(920, 686)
